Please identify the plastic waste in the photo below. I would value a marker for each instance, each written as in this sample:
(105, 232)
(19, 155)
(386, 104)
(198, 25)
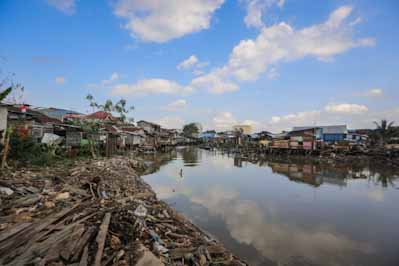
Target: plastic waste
(141, 211)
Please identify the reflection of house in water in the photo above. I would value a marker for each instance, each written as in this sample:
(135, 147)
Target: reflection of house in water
(238, 161)
(190, 156)
(305, 173)
(333, 177)
(312, 174)
(153, 162)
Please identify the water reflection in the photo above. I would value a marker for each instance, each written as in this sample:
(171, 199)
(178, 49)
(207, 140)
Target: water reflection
(281, 242)
(190, 156)
(287, 211)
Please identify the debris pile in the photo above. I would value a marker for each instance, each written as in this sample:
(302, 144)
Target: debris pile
(97, 212)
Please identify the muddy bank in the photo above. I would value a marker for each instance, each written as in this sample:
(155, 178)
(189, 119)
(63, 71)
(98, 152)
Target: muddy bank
(96, 212)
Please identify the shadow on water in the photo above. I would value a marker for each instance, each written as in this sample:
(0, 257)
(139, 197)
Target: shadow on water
(286, 210)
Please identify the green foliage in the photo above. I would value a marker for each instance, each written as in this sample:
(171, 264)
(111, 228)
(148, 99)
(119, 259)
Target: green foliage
(384, 132)
(191, 130)
(5, 93)
(119, 107)
(26, 150)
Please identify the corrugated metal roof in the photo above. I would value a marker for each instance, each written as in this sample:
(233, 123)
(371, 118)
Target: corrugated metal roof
(340, 129)
(336, 129)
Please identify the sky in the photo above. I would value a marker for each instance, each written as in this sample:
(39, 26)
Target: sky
(273, 64)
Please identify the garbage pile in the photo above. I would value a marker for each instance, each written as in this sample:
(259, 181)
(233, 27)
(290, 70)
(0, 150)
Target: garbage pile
(97, 212)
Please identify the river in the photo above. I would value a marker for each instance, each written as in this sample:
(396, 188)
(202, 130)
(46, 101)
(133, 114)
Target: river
(284, 211)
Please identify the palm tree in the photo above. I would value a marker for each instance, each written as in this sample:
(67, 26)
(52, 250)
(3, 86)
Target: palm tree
(384, 130)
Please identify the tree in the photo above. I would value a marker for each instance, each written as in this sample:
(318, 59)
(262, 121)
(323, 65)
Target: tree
(5, 93)
(9, 90)
(191, 130)
(384, 131)
(119, 107)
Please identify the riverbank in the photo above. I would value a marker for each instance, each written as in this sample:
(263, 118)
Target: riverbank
(96, 212)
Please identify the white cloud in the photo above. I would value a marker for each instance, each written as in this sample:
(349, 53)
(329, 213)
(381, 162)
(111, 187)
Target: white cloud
(106, 83)
(286, 122)
(60, 80)
(278, 43)
(177, 105)
(161, 21)
(65, 6)
(372, 93)
(224, 121)
(356, 21)
(214, 82)
(149, 86)
(282, 43)
(198, 72)
(188, 63)
(346, 108)
(171, 122)
(256, 9)
(194, 64)
(114, 77)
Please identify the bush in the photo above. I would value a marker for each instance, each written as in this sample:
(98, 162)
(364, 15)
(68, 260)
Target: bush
(24, 149)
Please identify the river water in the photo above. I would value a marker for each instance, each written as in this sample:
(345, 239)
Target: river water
(284, 211)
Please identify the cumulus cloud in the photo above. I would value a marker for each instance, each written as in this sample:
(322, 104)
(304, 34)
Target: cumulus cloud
(65, 6)
(346, 108)
(148, 87)
(224, 121)
(256, 9)
(60, 80)
(171, 122)
(194, 64)
(214, 82)
(282, 43)
(188, 63)
(177, 105)
(296, 119)
(278, 43)
(161, 21)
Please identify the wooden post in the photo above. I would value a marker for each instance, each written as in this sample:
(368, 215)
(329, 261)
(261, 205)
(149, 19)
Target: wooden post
(6, 148)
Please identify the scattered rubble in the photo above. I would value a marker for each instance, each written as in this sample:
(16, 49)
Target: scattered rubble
(96, 212)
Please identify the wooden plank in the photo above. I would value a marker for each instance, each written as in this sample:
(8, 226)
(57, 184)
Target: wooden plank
(15, 230)
(102, 234)
(85, 256)
(82, 242)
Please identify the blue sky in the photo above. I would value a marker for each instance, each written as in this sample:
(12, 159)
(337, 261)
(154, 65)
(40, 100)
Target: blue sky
(269, 63)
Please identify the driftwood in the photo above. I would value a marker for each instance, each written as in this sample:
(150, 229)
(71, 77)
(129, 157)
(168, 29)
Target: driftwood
(102, 234)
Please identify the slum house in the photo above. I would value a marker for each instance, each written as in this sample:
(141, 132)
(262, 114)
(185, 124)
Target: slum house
(57, 113)
(3, 120)
(263, 138)
(149, 127)
(135, 136)
(305, 139)
(28, 122)
(355, 137)
(108, 136)
(280, 141)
